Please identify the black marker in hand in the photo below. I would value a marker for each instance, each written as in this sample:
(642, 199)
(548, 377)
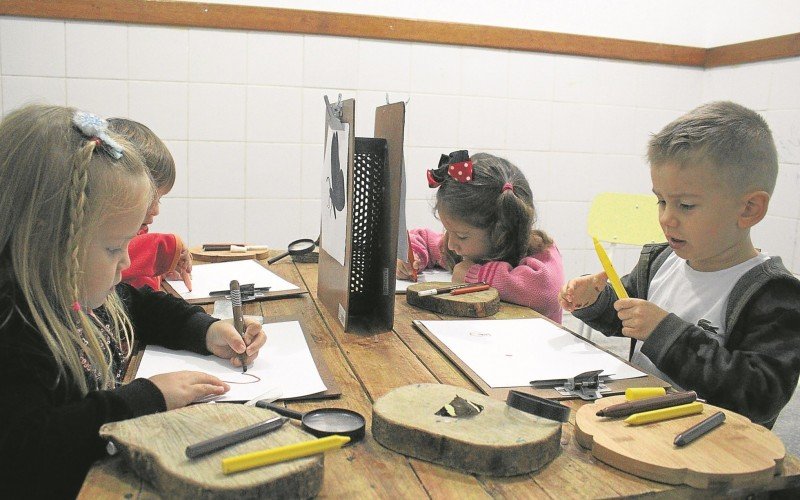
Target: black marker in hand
(238, 319)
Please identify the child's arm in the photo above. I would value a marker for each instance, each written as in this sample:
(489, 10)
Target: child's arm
(535, 283)
(426, 247)
(755, 372)
(152, 255)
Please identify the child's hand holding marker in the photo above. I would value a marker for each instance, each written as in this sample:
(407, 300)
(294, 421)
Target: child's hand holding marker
(639, 317)
(408, 270)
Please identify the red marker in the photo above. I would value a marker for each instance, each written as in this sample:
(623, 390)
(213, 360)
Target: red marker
(411, 260)
(470, 289)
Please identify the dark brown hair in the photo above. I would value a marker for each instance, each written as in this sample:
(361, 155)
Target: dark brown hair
(508, 215)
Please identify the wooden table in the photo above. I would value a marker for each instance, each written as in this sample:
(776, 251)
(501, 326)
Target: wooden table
(367, 366)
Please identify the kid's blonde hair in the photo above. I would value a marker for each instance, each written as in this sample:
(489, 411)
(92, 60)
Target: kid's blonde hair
(507, 213)
(58, 186)
(154, 152)
(732, 139)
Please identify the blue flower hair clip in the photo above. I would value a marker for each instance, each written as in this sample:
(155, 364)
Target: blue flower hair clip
(96, 129)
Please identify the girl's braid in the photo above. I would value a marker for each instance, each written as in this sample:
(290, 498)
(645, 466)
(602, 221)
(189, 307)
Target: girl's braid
(77, 194)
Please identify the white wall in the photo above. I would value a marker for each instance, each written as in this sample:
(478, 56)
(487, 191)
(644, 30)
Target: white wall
(697, 23)
(242, 113)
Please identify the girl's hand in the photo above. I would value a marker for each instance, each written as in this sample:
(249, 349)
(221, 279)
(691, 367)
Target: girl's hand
(639, 317)
(404, 269)
(460, 270)
(582, 292)
(181, 388)
(224, 341)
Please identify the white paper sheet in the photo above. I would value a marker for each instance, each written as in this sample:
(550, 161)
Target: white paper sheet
(424, 276)
(217, 276)
(284, 363)
(513, 352)
(335, 204)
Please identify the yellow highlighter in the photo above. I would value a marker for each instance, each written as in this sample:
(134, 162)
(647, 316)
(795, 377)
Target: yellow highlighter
(608, 267)
(635, 393)
(282, 453)
(647, 417)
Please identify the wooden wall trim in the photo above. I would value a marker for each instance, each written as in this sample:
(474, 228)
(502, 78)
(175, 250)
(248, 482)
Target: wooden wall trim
(778, 47)
(207, 15)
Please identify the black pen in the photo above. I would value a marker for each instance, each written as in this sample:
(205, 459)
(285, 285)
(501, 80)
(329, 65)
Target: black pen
(238, 319)
(234, 437)
(700, 429)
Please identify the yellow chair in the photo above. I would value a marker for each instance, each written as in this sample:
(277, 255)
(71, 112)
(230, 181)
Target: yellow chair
(623, 219)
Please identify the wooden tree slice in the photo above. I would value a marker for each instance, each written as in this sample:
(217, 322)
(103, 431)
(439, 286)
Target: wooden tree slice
(737, 453)
(222, 256)
(499, 441)
(470, 305)
(154, 446)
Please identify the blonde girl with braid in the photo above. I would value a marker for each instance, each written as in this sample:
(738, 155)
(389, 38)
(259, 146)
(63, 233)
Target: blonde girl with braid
(72, 195)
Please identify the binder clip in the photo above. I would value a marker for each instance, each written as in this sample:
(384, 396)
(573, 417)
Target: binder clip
(333, 113)
(249, 292)
(586, 386)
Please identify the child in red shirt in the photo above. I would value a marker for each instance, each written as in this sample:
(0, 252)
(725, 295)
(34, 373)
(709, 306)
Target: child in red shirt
(153, 255)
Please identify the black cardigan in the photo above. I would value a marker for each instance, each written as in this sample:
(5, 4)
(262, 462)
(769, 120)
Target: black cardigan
(48, 431)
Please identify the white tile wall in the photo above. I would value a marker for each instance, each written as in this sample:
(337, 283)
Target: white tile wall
(242, 113)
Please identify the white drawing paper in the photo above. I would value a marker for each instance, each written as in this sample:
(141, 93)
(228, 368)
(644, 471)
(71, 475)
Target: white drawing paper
(335, 205)
(424, 276)
(217, 276)
(284, 363)
(513, 352)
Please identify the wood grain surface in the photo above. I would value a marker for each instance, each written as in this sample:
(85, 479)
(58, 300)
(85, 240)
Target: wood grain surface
(734, 454)
(368, 365)
(154, 446)
(498, 441)
(224, 256)
(469, 305)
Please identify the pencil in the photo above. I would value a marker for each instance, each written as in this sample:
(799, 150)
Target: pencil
(234, 437)
(470, 289)
(238, 319)
(700, 429)
(634, 393)
(445, 289)
(648, 404)
(282, 453)
(648, 417)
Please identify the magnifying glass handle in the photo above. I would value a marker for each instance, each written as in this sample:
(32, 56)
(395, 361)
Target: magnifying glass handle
(280, 410)
(277, 258)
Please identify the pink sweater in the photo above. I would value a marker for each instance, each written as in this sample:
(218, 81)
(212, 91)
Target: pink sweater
(535, 282)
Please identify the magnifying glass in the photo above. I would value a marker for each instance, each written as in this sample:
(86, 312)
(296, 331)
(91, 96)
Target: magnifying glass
(297, 247)
(324, 421)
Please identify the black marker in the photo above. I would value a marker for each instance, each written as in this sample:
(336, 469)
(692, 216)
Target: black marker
(235, 437)
(700, 429)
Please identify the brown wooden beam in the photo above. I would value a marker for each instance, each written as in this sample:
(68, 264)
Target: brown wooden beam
(206, 15)
(778, 47)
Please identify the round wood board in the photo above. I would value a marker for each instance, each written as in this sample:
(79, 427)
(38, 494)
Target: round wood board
(222, 256)
(154, 446)
(737, 453)
(470, 305)
(499, 441)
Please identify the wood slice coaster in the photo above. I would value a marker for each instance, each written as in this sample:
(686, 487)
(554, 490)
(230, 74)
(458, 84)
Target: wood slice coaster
(737, 453)
(154, 446)
(470, 305)
(224, 256)
(499, 441)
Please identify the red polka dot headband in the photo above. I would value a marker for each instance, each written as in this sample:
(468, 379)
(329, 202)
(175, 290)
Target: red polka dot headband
(457, 165)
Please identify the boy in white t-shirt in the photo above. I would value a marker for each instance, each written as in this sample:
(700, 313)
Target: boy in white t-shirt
(713, 314)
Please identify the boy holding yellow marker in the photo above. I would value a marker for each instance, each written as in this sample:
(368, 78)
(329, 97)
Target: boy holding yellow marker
(712, 313)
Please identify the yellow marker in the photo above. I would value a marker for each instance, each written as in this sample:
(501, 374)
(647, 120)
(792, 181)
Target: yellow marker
(608, 267)
(647, 417)
(634, 393)
(282, 453)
